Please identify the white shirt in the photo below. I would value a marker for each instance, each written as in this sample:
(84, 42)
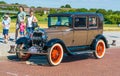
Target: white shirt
(6, 23)
(29, 21)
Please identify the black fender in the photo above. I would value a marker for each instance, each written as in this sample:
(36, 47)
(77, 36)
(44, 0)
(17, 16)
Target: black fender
(51, 42)
(23, 40)
(98, 37)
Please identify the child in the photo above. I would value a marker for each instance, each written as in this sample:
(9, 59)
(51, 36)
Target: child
(6, 25)
(22, 28)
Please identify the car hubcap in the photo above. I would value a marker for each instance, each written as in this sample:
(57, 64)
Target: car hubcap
(100, 48)
(56, 54)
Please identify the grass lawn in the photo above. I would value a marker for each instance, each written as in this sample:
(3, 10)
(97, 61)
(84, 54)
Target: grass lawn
(111, 27)
(12, 27)
(107, 27)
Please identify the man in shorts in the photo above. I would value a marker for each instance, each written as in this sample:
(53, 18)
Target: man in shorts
(6, 25)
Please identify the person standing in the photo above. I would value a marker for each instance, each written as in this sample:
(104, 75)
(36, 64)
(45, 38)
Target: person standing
(20, 19)
(29, 25)
(6, 25)
(22, 29)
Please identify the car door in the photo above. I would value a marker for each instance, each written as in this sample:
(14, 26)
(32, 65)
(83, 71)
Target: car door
(80, 30)
(93, 28)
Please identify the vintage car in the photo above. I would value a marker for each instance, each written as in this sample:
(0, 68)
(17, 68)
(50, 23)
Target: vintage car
(67, 33)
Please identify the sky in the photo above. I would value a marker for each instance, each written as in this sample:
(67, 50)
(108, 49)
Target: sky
(105, 4)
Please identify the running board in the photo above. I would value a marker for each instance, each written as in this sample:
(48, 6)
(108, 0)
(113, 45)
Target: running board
(83, 52)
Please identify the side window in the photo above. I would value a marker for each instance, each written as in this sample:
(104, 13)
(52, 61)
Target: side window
(92, 21)
(80, 22)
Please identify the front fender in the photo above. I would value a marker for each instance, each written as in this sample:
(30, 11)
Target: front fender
(23, 40)
(51, 42)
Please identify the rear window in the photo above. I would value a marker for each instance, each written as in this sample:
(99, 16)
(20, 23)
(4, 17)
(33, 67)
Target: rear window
(92, 21)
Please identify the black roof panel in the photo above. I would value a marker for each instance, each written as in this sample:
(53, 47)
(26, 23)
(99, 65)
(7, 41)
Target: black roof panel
(73, 13)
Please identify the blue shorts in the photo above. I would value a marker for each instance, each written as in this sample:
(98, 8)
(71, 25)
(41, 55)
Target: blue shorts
(29, 30)
(5, 31)
(21, 32)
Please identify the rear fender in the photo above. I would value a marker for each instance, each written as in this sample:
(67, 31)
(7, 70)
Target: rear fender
(98, 37)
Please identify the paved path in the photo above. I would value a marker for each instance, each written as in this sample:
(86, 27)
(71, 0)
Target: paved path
(79, 65)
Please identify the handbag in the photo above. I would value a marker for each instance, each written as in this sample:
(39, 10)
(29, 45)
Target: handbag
(34, 24)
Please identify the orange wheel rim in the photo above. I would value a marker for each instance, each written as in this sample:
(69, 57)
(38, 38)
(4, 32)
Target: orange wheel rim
(56, 54)
(100, 48)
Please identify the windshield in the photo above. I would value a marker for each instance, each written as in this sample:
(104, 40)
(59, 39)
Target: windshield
(59, 21)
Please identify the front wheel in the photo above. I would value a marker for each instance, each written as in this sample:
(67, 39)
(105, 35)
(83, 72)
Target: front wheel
(55, 54)
(22, 56)
(100, 49)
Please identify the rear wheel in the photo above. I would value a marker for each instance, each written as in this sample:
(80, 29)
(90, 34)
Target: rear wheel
(100, 49)
(55, 55)
(21, 55)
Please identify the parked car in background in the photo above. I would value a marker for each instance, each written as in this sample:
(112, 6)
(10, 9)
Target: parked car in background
(67, 33)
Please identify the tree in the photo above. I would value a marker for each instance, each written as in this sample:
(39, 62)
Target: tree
(39, 7)
(16, 3)
(109, 12)
(82, 10)
(92, 10)
(103, 11)
(67, 6)
(62, 7)
(72, 10)
(32, 7)
(52, 10)
(2, 2)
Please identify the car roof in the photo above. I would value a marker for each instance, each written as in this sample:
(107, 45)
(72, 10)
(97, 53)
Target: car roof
(74, 13)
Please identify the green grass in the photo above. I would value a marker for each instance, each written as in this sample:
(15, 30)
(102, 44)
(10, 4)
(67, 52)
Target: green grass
(13, 26)
(107, 27)
(110, 25)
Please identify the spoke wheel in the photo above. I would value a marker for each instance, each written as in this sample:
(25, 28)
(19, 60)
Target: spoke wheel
(100, 49)
(55, 54)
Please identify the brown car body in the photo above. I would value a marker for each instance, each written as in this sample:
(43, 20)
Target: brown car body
(76, 36)
(70, 33)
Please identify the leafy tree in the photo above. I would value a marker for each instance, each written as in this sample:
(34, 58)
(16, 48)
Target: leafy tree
(67, 6)
(52, 10)
(2, 2)
(82, 10)
(109, 12)
(62, 7)
(92, 10)
(32, 7)
(103, 11)
(39, 7)
(72, 10)
(16, 3)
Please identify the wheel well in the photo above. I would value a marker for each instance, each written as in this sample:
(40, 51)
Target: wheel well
(98, 38)
(53, 41)
(105, 41)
